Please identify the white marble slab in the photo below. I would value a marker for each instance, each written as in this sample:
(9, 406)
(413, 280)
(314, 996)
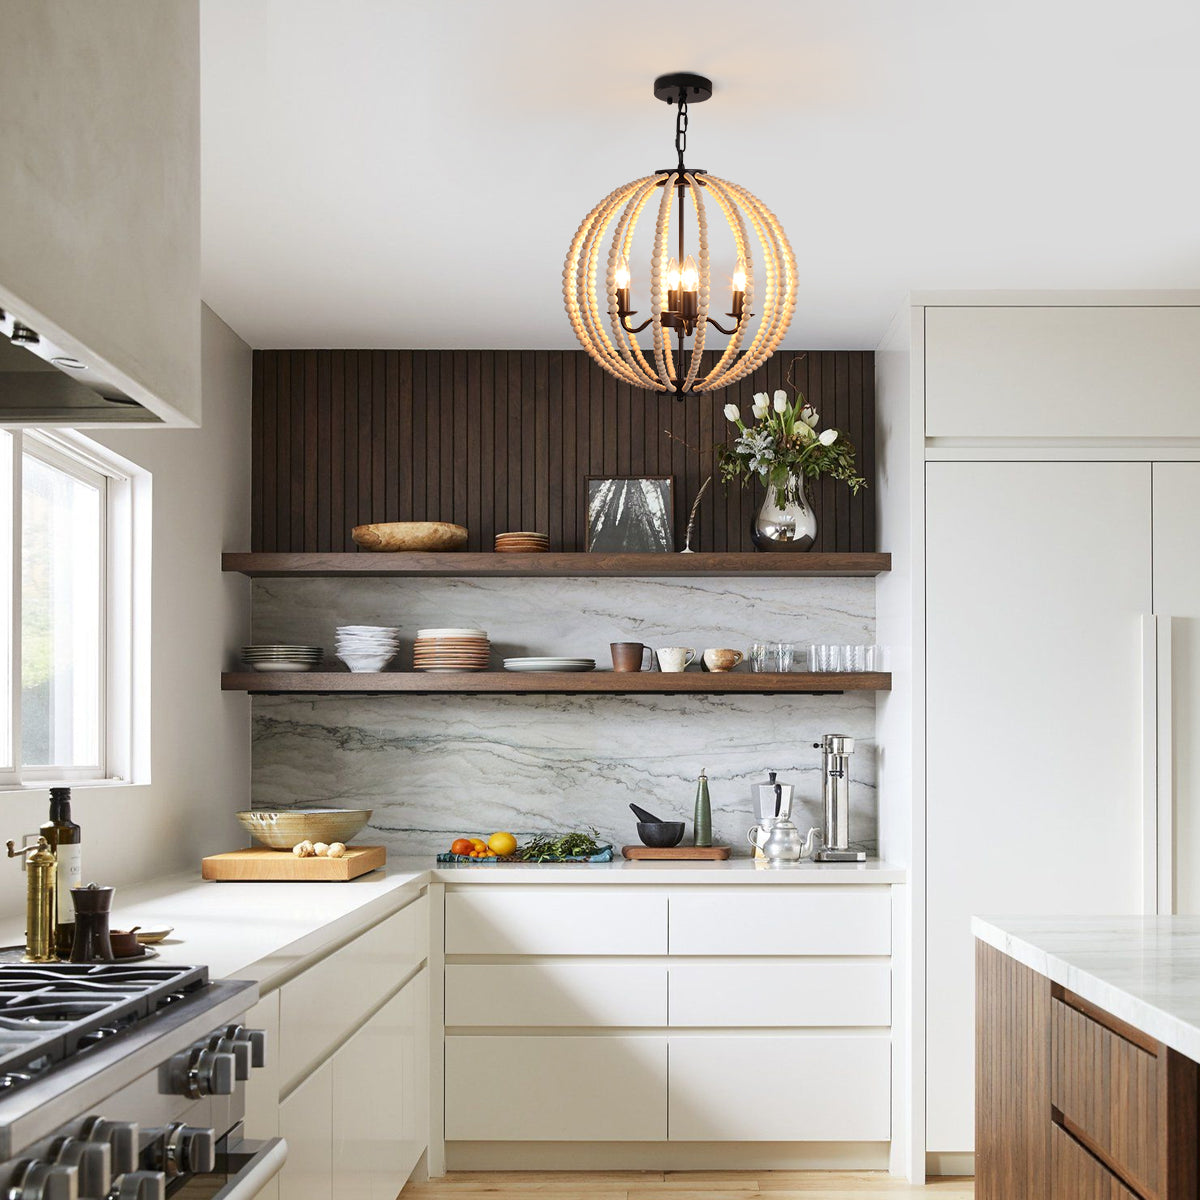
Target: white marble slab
(1143, 970)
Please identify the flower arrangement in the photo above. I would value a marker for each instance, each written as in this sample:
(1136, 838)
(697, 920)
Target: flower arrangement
(784, 448)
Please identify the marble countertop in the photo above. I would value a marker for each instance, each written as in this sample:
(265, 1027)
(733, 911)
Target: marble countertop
(1143, 970)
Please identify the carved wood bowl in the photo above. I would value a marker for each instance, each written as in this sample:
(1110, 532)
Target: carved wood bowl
(410, 535)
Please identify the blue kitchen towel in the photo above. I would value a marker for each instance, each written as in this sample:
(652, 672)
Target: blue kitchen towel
(603, 855)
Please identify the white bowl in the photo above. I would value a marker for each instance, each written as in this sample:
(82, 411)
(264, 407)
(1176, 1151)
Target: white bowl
(362, 664)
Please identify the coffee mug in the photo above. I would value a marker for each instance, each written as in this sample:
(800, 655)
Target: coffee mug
(722, 660)
(629, 656)
(675, 658)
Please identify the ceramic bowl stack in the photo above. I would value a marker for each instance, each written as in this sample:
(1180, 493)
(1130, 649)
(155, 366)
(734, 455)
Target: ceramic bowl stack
(282, 658)
(445, 650)
(522, 543)
(367, 648)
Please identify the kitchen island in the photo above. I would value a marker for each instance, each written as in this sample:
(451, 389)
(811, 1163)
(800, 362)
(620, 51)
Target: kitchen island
(1087, 1050)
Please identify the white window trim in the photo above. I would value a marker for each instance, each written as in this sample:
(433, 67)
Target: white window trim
(125, 631)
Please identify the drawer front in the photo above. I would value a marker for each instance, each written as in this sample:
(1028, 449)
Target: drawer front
(547, 1089)
(780, 994)
(556, 993)
(555, 920)
(776, 920)
(781, 1088)
(324, 1004)
(1106, 1087)
(1079, 1176)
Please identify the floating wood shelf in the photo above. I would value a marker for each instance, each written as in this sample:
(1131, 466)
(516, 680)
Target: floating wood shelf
(628, 566)
(533, 683)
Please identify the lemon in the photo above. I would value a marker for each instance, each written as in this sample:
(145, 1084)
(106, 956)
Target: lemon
(502, 843)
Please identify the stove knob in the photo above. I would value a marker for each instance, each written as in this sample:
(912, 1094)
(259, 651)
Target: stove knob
(256, 1039)
(140, 1185)
(93, 1161)
(216, 1073)
(224, 1044)
(122, 1136)
(35, 1180)
(188, 1150)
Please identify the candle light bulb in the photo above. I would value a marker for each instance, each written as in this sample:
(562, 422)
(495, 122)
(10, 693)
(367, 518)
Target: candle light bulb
(739, 277)
(673, 275)
(689, 277)
(621, 275)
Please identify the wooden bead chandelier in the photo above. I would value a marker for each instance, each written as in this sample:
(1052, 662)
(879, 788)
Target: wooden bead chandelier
(680, 295)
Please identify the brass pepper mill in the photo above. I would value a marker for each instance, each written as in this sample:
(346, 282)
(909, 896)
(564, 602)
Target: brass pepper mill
(40, 899)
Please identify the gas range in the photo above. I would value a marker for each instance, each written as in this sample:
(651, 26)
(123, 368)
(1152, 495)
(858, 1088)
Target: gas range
(126, 1082)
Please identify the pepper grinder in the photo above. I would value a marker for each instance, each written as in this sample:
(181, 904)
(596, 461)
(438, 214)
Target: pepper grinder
(41, 868)
(92, 907)
(702, 817)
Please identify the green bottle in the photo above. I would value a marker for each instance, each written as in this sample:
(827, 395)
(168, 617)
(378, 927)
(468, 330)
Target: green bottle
(702, 818)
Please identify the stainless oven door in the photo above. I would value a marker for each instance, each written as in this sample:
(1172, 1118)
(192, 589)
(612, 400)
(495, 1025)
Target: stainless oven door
(243, 1170)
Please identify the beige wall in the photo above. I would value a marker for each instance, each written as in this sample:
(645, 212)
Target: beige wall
(200, 741)
(100, 187)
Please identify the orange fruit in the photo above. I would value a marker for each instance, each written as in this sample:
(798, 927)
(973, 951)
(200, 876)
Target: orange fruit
(461, 846)
(502, 844)
(479, 843)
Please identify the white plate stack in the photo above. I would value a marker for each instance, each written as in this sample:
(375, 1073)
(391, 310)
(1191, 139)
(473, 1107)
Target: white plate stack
(367, 648)
(442, 651)
(549, 664)
(282, 658)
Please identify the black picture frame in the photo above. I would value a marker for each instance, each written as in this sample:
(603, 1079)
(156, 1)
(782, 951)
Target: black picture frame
(626, 519)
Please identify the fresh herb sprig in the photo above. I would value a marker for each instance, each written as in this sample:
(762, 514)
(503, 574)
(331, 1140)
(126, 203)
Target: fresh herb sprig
(546, 847)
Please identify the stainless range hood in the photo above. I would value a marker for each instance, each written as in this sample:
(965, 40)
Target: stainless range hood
(42, 383)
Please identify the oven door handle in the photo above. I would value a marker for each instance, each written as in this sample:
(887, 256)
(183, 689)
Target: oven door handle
(262, 1163)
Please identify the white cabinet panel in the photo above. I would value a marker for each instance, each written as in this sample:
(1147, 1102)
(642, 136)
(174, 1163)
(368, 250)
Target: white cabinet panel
(1062, 372)
(1036, 577)
(1177, 602)
(544, 1089)
(414, 1035)
(756, 994)
(803, 920)
(780, 1088)
(556, 920)
(557, 993)
(305, 1118)
(262, 1088)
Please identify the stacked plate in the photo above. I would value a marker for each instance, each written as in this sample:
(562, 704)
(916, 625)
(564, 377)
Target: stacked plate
(522, 543)
(445, 650)
(282, 658)
(549, 664)
(367, 648)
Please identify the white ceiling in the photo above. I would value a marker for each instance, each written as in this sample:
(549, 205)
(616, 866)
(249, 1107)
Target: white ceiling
(394, 173)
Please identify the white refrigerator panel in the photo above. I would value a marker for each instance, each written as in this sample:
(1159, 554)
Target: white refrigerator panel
(1038, 575)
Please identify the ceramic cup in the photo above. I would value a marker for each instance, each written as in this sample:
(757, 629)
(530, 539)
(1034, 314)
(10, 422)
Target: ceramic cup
(722, 660)
(675, 658)
(630, 656)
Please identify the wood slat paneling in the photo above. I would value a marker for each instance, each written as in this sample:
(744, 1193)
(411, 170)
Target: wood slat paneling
(504, 439)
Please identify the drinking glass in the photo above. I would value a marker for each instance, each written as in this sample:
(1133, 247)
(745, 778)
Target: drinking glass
(783, 653)
(759, 654)
(854, 658)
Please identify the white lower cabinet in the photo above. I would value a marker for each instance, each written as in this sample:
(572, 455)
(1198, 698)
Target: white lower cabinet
(775, 1087)
(304, 1121)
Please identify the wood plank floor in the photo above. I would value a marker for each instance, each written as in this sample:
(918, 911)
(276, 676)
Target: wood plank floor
(680, 1185)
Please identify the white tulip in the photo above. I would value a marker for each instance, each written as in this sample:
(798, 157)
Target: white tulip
(761, 400)
(809, 416)
(781, 401)
(828, 437)
(732, 413)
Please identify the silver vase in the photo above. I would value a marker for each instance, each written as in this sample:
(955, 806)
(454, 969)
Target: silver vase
(786, 519)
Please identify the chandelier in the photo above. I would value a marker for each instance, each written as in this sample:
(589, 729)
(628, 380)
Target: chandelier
(681, 299)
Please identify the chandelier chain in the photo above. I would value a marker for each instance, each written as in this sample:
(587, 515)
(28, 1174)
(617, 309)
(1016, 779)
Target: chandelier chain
(681, 124)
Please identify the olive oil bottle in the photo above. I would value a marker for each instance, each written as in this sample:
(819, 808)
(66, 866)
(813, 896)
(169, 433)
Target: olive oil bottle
(66, 840)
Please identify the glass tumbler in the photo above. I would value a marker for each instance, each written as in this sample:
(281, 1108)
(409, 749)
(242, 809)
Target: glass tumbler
(783, 654)
(759, 654)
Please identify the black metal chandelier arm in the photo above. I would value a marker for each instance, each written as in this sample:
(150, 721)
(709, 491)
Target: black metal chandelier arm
(634, 328)
(721, 328)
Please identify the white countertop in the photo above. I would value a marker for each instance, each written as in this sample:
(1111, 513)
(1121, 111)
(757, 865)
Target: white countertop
(1143, 970)
(621, 871)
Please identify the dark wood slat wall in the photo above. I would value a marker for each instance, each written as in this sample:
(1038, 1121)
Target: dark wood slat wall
(503, 439)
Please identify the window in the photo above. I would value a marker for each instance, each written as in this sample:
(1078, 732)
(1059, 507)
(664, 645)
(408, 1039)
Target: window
(65, 592)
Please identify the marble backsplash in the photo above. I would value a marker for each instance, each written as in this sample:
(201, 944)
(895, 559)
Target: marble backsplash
(432, 767)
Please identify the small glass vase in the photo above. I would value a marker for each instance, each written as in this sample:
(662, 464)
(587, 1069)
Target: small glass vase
(786, 519)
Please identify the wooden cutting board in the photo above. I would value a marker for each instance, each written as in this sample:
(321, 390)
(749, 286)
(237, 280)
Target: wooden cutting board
(282, 866)
(692, 853)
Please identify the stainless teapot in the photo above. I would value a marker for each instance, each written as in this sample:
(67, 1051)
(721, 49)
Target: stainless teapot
(780, 840)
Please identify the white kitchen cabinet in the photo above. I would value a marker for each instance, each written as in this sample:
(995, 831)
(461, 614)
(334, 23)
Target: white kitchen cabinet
(556, 1088)
(575, 920)
(775, 1088)
(803, 920)
(780, 994)
(1062, 372)
(305, 1120)
(1037, 583)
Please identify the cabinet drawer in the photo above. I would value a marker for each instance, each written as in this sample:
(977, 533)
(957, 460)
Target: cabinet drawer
(781, 1088)
(767, 921)
(555, 920)
(546, 1089)
(556, 993)
(780, 994)
(324, 1004)
(1106, 1087)
(1079, 1176)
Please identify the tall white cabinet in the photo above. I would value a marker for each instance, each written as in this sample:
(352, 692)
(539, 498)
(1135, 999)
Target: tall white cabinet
(1038, 489)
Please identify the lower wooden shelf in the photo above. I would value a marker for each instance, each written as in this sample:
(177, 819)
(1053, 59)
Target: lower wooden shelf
(528, 683)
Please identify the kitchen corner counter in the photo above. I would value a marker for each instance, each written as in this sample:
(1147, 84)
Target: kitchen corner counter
(1143, 970)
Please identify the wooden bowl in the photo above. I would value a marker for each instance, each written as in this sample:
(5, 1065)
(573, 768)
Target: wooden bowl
(410, 535)
(283, 828)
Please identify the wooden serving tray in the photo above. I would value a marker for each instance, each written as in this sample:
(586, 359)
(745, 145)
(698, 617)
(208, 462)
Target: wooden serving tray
(282, 866)
(692, 853)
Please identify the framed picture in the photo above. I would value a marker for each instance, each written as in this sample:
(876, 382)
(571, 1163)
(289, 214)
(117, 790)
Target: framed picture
(630, 513)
